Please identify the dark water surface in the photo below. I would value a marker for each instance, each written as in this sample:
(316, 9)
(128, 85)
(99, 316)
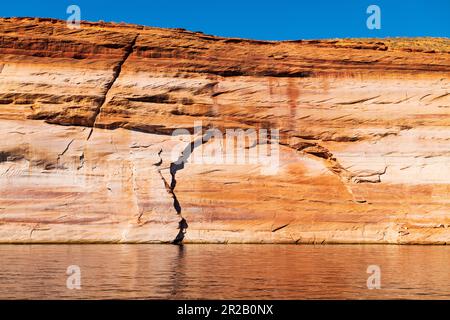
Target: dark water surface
(224, 271)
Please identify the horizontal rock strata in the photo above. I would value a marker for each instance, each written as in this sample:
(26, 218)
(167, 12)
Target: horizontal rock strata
(87, 152)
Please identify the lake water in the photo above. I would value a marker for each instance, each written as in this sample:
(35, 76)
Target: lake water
(224, 271)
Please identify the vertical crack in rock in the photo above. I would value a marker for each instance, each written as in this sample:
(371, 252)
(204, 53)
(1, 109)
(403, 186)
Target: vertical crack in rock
(81, 158)
(182, 225)
(173, 169)
(116, 73)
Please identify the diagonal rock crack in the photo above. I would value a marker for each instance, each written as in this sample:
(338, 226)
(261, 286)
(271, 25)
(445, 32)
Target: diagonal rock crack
(116, 73)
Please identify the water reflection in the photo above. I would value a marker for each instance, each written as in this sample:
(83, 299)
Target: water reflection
(224, 271)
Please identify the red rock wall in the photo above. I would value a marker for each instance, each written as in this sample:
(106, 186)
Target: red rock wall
(87, 117)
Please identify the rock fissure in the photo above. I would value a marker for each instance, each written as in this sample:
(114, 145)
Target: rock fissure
(182, 224)
(345, 176)
(65, 150)
(173, 169)
(116, 73)
(316, 150)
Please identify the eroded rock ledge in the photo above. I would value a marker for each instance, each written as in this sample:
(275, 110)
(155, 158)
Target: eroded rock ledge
(86, 118)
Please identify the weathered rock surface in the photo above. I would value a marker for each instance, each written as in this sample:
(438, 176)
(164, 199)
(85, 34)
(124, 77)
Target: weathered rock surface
(87, 153)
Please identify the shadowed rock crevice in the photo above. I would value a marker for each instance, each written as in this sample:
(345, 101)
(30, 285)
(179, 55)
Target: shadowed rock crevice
(116, 73)
(316, 150)
(174, 168)
(182, 224)
(9, 156)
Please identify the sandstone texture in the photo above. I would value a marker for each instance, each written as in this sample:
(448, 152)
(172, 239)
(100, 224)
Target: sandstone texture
(87, 152)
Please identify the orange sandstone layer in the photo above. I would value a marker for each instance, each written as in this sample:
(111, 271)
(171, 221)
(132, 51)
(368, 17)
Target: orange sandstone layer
(87, 116)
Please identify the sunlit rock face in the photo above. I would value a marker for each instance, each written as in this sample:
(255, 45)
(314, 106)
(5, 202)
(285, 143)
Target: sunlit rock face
(87, 152)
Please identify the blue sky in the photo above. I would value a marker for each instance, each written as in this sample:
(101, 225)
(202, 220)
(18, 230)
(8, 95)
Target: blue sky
(263, 19)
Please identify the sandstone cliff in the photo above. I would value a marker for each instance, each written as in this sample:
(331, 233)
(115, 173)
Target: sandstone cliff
(86, 118)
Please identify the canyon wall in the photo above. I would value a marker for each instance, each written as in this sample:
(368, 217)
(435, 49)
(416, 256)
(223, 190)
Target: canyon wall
(87, 152)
